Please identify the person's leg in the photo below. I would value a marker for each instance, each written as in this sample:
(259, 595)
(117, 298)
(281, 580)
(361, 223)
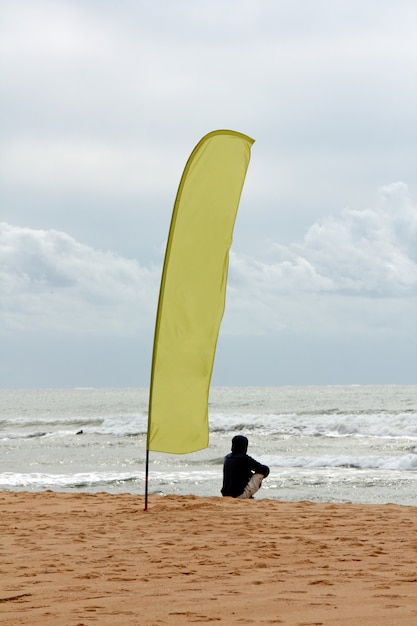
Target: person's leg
(253, 486)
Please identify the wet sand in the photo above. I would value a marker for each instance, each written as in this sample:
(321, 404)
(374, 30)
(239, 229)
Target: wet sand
(81, 559)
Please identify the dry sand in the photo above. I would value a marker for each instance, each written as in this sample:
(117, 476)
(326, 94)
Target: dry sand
(80, 559)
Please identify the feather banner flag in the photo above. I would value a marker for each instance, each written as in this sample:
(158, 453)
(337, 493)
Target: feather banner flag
(193, 291)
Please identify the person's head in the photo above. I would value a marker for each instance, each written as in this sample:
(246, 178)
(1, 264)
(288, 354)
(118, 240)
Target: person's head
(239, 444)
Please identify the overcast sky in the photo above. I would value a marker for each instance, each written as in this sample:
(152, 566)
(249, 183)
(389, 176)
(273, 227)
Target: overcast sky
(102, 102)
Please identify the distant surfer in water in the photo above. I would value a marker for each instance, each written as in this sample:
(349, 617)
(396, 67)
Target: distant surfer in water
(242, 475)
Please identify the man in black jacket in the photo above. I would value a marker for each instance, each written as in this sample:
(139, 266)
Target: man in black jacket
(242, 475)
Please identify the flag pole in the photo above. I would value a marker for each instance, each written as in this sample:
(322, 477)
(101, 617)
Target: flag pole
(146, 479)
(192, 298)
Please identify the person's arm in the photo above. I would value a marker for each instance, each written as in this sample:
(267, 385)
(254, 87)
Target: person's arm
(258, 468)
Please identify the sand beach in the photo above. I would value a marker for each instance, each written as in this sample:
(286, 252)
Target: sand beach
(79, 559)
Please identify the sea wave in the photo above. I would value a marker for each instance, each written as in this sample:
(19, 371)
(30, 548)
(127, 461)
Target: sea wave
(405, 463)
(36, 480)
(384, 425)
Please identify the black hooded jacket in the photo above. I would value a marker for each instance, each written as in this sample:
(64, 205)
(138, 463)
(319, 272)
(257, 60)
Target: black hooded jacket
(238, 468)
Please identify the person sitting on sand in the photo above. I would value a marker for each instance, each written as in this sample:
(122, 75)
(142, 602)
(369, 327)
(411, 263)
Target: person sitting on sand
(242, 475)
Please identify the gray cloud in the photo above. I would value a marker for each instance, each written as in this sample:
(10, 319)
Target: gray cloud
(50, 280)
(111, 92)
(101, 105)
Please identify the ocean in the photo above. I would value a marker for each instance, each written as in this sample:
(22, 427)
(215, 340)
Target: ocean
(323, 444)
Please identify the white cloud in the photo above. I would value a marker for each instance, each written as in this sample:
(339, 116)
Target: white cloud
(341, 267)
(52, 282)
(337, 276)
(368, 252)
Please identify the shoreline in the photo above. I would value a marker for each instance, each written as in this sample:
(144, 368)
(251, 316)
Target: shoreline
(75, 558)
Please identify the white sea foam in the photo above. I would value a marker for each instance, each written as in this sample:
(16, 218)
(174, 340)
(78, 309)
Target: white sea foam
(328, 443)
(371, 425)
(406, 463)
(51, 481)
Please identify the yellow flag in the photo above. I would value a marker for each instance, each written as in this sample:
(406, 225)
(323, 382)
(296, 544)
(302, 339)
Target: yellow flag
(192, 293)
